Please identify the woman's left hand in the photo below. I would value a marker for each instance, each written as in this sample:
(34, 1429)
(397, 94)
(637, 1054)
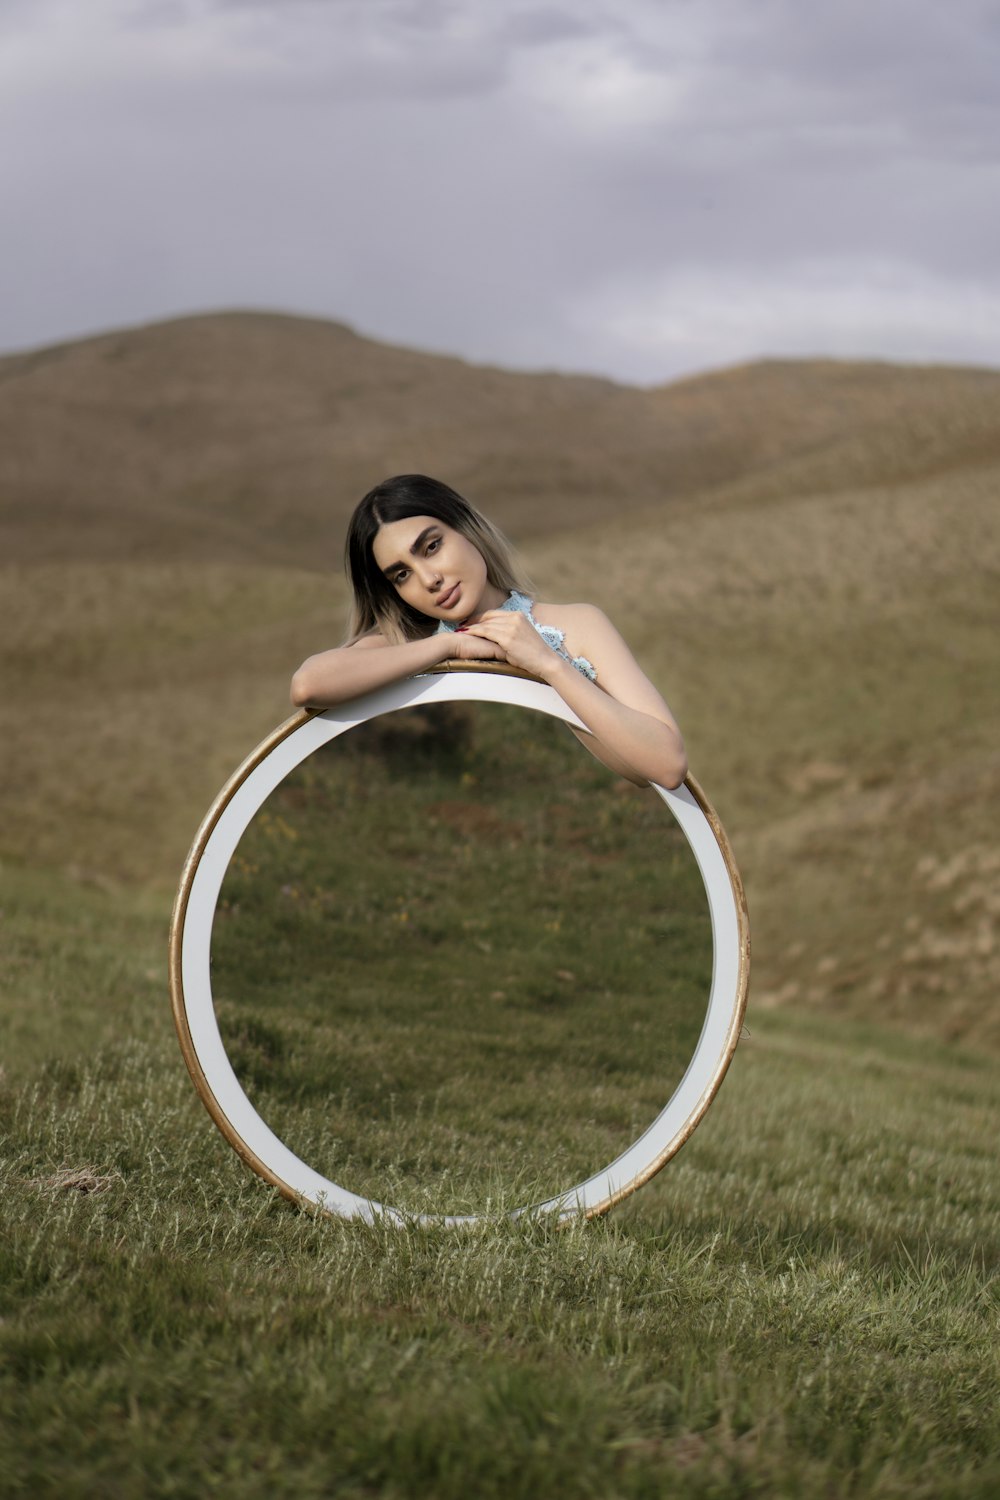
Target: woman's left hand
(517, 637)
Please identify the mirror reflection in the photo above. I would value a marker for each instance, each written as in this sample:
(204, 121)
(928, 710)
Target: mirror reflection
(458, 965)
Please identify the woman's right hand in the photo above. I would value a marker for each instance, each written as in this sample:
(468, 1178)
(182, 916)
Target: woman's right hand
(465, 647)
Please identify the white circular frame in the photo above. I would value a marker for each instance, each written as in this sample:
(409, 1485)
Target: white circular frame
(194, 912)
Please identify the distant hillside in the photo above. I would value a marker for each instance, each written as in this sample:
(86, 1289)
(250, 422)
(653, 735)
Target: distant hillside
(249, 437)
(809, 573)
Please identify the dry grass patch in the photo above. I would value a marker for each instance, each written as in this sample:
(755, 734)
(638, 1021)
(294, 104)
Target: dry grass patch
(76, 1180)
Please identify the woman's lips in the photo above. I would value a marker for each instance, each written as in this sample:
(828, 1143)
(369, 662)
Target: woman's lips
(445, 601)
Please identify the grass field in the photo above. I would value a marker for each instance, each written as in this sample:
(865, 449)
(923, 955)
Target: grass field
(805, 1301)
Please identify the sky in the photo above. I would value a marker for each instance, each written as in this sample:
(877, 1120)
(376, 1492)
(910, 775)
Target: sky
(636, 188)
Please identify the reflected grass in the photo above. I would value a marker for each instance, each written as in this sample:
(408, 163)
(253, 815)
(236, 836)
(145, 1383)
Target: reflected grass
(453, 953)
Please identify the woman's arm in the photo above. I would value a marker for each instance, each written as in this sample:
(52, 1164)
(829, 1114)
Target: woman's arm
(348, 671)
(600, 752)
(632, 724)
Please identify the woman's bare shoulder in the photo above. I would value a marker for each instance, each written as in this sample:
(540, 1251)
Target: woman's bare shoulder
(590, 633)
(565, 616)
(584, 625)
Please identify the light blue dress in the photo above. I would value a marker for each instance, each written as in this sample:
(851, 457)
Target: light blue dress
(550, 634)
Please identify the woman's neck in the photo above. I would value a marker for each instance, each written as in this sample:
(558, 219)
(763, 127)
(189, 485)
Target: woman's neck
(491, 598)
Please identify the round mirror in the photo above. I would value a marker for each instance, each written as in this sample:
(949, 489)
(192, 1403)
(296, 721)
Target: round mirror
(431, 959)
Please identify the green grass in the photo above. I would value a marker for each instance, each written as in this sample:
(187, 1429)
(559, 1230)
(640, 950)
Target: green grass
(805, 1301)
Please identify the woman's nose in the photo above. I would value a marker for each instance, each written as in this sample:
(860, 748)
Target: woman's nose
(430, 575)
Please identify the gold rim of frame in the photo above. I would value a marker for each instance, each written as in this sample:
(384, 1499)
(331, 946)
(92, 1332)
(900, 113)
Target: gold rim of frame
(177, 920)
(735, 1021)
(177, 1001)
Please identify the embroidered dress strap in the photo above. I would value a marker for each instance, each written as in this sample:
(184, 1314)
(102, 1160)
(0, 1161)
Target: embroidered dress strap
(550, 634)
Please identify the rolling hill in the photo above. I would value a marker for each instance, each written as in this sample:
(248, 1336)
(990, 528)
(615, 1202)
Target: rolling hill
(249, 437)
(803, 553)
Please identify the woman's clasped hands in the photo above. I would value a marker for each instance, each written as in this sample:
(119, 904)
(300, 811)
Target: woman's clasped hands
(463, 646)
(512, 638)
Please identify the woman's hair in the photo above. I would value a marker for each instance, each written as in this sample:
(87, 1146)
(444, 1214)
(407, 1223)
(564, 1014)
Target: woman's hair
(376, 605)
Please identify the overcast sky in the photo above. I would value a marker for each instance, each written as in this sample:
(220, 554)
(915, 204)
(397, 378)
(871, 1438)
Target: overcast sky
(640, 188)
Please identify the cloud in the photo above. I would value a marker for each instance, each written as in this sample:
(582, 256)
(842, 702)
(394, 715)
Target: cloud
(844, 308)
(637, 187)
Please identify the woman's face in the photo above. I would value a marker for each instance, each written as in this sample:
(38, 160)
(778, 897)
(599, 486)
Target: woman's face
(434, 568)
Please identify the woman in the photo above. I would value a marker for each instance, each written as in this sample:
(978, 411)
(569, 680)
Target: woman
(433, 581)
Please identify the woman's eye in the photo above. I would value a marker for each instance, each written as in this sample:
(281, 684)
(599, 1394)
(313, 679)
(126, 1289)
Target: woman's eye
(401, 577)
(433, 544)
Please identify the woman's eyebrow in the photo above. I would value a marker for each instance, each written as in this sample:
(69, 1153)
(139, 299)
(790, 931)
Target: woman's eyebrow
(413, 550)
